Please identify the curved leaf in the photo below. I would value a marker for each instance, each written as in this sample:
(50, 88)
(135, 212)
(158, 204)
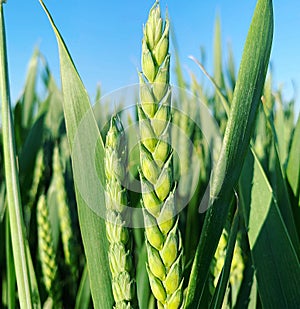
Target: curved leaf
(77, 107)
(277, 267)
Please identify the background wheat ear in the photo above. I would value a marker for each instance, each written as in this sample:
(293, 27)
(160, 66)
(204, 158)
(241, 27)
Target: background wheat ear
(67, 234)
(47, 253)
(118, 235)
(163, 238)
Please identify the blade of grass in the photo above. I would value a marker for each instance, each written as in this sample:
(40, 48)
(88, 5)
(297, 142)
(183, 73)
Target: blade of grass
(76, 106)
(29, 99)
(293, 166)
(30, 148)
(10, 269)
(293, 174)
(218, 70)
(217, 88)
(245, 293)
(231, 68)
(84, 292)
(239, 128)
(219, 294)
(3, 203)
(277, 181)
(274, 257)
(35, 295)
(142, 281)
(254, 299)
(278, 184)
(281, 128)
(11, 177)
(218, 105)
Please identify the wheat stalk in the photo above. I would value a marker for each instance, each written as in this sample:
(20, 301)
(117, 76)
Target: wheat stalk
(120, 258)
(163, 238)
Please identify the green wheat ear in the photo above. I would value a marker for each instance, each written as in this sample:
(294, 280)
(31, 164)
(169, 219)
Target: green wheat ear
(237, 264)
(47, 253)
(163, 238)
(120, 257)
(65, 221)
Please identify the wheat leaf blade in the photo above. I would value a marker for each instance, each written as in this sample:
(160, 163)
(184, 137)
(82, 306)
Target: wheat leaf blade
(12, 179)
(239, 127)
(278, 272)
(76, 107)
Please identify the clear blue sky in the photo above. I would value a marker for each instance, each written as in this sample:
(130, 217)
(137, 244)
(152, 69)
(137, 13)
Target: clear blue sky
(104, 36)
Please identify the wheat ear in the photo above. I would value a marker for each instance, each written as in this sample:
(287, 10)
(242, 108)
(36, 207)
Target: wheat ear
(120, 258)
(46, 252)
(65, 221)
(163, 238)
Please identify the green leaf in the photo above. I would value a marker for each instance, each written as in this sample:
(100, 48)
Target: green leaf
(87, 153)
(10, 269)
(218, 70)
(35, 295)
(84, 292)
(30, 148)
(54, 115)
(282, 129)
(3, 203)
(12, 179)
(246, 294)
(28, 97)
(277, 176)
(278, 184)
(293, 166)
(246, 98)
(230, 72)
(253, 295)
(293, 174)
(219, 294)
(219, 94)
(142, 281)
(274, 257)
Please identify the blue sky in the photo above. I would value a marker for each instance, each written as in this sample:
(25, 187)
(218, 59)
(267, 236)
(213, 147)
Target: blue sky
(104, 37)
